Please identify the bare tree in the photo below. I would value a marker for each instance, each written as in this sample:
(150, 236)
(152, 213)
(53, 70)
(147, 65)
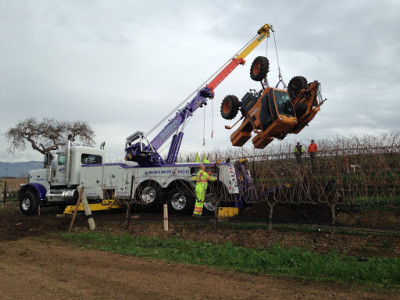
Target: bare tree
(48, 134)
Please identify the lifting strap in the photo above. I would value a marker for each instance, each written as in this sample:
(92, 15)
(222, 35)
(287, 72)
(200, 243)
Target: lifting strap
(279, 67)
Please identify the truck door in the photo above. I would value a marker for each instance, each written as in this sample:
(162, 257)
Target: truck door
(59, 171)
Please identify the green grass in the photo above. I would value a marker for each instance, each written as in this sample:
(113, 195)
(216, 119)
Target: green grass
(373, 201)
(306, 228)
(293, 262)
(12, 199)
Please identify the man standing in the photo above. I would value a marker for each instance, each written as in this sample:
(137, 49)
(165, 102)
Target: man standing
(201, 187)
(298, 152)
(312, 151)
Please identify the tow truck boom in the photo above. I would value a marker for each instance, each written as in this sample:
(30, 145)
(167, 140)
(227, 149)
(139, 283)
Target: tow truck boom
(146, 153)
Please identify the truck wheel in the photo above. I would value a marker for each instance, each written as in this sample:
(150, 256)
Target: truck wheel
(259, 68)
(29, 203)
(148, 193)
(180, 202)
(209, 207)
(210, 201)
(296, 84)
(229, 107)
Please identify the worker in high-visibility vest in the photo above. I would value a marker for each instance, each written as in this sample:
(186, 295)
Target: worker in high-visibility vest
(298, 152)
(312, 151)
(201, 187)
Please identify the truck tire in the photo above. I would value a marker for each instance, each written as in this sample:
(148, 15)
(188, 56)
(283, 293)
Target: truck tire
(210, 201)
(259, 68)
(296, 84)
(216, 192)
(208, 207)
(148, 193)
(180, 202)
(229, 107)
(29, 203)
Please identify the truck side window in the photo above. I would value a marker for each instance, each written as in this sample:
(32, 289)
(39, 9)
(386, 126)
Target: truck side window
(61, 159)
(91, 159)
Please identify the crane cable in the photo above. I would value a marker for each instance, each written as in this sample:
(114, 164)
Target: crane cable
(212, 119)
(279, 67)
(204, 128)
(201, 86)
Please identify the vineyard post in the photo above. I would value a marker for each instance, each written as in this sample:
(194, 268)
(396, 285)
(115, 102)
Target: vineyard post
(165, 210)
(5, 193)
(271, 211)
(75, 210)
(218, 196)
(128, 207)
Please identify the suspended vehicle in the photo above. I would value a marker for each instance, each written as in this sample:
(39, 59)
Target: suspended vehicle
(271, 112)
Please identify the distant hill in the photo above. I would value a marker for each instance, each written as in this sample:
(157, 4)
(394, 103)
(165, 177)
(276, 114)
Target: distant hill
(19, 169)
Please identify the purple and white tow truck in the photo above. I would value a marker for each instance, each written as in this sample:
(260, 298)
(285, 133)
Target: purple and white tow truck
(144, 177)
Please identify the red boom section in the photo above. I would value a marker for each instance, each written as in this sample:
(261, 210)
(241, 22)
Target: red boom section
(225, 72)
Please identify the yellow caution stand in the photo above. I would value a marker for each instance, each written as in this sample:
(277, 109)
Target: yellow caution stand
(104, 205)
(227, 212)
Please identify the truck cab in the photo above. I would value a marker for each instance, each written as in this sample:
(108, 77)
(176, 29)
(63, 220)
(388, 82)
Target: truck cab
(56, 183)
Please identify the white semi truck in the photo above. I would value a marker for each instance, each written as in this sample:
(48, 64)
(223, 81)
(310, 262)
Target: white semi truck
(56, 184)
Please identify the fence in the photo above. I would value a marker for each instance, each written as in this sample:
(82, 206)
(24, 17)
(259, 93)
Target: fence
(347, 171)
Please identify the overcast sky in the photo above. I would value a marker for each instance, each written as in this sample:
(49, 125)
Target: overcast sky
(122, 65)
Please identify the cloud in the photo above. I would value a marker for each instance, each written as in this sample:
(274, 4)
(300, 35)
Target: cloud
(122, 65)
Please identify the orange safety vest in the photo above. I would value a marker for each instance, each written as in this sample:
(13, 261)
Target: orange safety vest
(313, 148)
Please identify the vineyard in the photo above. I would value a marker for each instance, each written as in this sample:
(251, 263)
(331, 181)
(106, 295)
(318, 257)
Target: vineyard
(349, 174)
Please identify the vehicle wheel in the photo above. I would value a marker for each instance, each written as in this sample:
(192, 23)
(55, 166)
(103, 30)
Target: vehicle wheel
(259, 68)
(230, 107)
(210, 201)
(29, 203)
(296, 84)
(148, 193)
(180, 202)
(300, 109)
(209, 207)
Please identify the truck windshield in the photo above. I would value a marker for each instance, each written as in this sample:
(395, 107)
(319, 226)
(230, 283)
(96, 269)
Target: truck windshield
(283, 103)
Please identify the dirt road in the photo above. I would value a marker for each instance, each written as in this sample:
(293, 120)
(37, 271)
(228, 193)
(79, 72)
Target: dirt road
(46, 268)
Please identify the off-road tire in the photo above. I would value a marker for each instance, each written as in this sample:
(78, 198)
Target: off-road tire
(229, 107)
(300, 109)
(296, 84)
(259, 68)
